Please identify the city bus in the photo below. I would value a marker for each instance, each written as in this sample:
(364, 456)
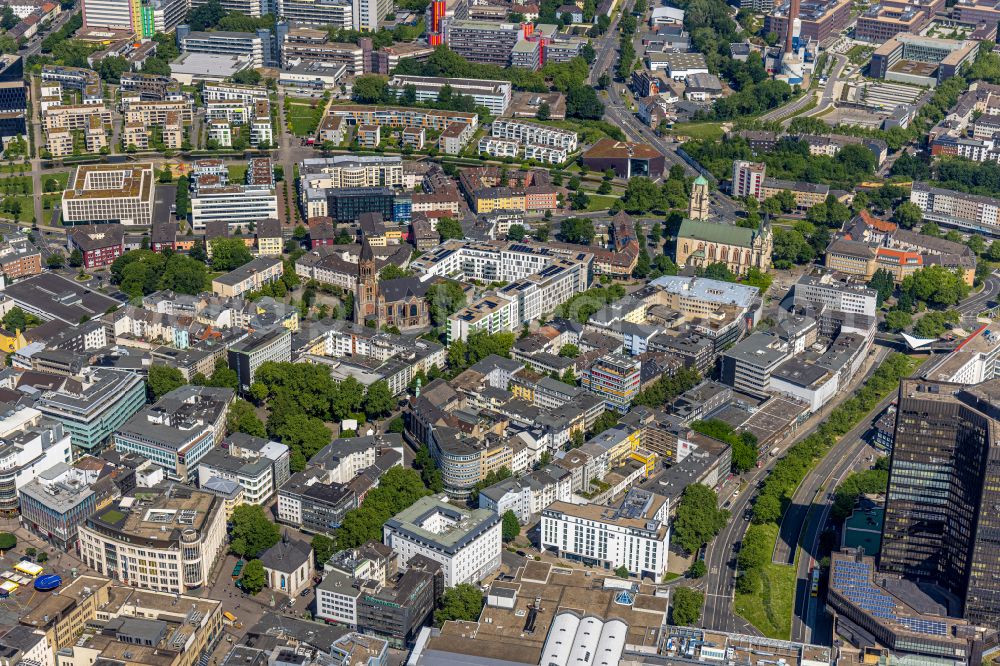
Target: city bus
(814, 584)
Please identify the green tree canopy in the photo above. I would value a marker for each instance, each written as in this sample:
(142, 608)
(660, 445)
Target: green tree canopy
(511, 527)
(686, 606)
(462, 602)
(163, 379)
(252, 531)
(398, 489)
(323, 549)
(242, 418)
(698, 517)
(254, 577)
(229, 253)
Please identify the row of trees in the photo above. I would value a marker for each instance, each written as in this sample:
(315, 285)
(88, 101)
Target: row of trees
(789, 160)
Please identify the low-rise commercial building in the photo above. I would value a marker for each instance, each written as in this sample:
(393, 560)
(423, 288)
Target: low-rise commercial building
(494, 95)
(246, 356)
(30, 443)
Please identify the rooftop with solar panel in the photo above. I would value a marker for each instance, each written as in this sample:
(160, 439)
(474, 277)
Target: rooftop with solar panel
(873, 604)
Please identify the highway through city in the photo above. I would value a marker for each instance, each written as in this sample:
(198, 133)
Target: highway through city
(976, 303)
(720, 559)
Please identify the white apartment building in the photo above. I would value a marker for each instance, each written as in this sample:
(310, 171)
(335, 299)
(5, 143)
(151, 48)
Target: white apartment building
(110, 193)
(474, 260)
(527, 496)
(530, 133)
(73, 116)
(167, 542)
(239, 205)
(547, 154)
(494, 95)
(30, 444)
(635, 534)
(748, 179)
(227, 110)
(261, 131)
(221, 132)
(499, 147)
(970, 212)
(490, 314)
(233, 92)
(466, 543)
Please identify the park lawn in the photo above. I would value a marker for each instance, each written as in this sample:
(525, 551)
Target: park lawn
(303, 118)
(770, 609)
(237, 173)
(600, 201)
(27, 208)
(707, 131)
(61, 178)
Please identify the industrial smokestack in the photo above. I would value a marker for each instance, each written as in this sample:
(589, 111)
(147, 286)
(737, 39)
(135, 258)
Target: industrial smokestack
(793, 13)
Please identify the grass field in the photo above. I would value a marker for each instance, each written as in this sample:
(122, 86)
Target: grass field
(303, 118)
(770, 608)
(600, 201)
(237, 173)
(709, 131)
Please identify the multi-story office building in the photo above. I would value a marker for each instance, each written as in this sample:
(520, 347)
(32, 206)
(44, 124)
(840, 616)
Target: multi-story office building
(368, 15)
(466, 543)
(969, 212)
(748, 179)
(494, 95)
(111, 14)
(308, 502)
(483, 41)
(888, 18)
(255, 46)
(819, 19)
(837, 292)
(531, 133)
(249, 277)
(634, 535)
(398, 610)
(57, 502)
(338, 13)
(95, 407)
(176, 442)
(350, 203)
(948, 54)
(255, 8)
(352, 171)
(166, 542)
(944, 485)
(259, 348)
(30, 443)
(615, 378)
(748, 365)
(13, 98)
(303, 46)
(239, 205)
(103, 193)
(257, 465)
(977, 11)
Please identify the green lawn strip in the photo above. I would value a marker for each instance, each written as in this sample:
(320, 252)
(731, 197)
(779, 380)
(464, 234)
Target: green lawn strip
(769, 609)
(708, 131)
(600, 202)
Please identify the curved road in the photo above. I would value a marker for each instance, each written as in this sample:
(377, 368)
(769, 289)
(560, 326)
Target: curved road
(790, 110)
(976, 303)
